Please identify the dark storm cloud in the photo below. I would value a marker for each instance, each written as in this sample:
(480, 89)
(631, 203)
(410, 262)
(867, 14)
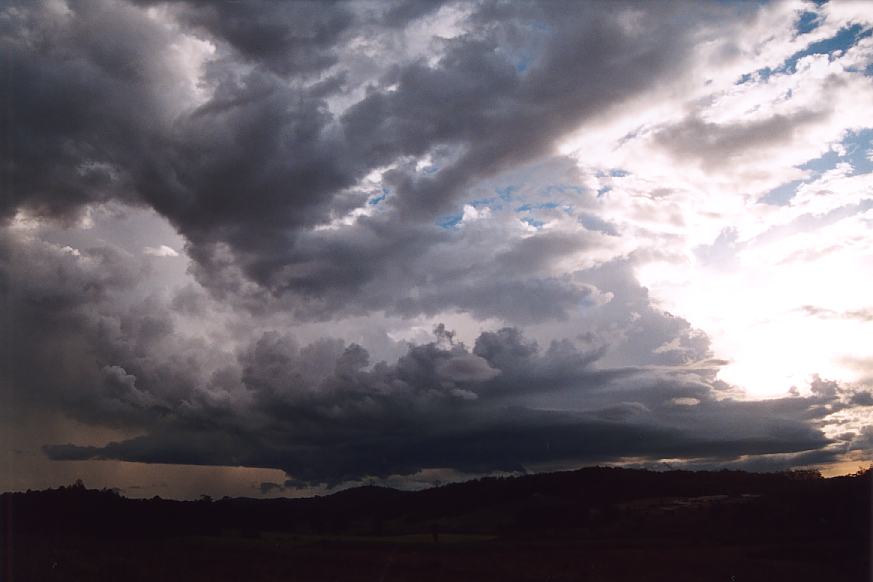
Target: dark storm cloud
(275, 143)
(523, 301)
(247, 173)
(420, 272)
(322, 414)
(297, 38)
(862, 399)
(476, 100)
(762, 463)
(511, 442)
(266, 487)
(84, 344)
(290, 38)
(81, 339)
(83, 95)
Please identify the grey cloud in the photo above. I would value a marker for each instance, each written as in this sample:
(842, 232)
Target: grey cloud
(523, 301)
(105, 60)
(639, 332)
(245, 175)
(297, 38)
(324, 413)
(398, 268)
(466, 368)
(714, 144)
(102, 112)
(762, 463)
(863, 441)
(508, 440)
(593, 222)
(290, 38)
(266, 487)
(859, 314)
(418, 413)
(80, 340)
(400, 13)
(476, 99)
(862, 399)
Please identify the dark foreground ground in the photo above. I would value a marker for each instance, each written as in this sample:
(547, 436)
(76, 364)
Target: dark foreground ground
(593, 524)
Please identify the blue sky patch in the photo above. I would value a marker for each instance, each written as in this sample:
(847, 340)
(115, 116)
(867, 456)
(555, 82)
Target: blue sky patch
(745, 78)
(482, 202)
(561, 189)
(858, 145)
(822, 164)
(450, 222)
(505, 192)
(430, 170)
(807, 22)
(523, 61)
(544, 206)
(593, 222)
(843, 40)
(533, 221)
(377, 199)
(781, 195)
(613, 172)
(526, 56)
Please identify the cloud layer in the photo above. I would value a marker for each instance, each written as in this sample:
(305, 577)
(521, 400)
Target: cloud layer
(231, 232)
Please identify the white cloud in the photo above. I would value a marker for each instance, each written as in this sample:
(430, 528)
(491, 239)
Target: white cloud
(160, 251)
(699, 156)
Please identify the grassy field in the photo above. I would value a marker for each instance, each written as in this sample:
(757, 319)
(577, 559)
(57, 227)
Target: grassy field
(416, 557)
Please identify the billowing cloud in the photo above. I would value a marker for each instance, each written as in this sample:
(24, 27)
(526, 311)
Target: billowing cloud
(322, 415)
(230, 231)
(246, 162)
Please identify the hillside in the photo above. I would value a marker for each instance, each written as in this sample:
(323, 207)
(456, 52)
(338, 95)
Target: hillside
(594, 523)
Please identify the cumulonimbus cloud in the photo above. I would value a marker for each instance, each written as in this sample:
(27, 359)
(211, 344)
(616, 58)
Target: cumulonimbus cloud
(343, 164)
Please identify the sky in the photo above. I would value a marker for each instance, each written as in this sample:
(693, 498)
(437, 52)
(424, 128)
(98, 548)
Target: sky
(280, 248)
